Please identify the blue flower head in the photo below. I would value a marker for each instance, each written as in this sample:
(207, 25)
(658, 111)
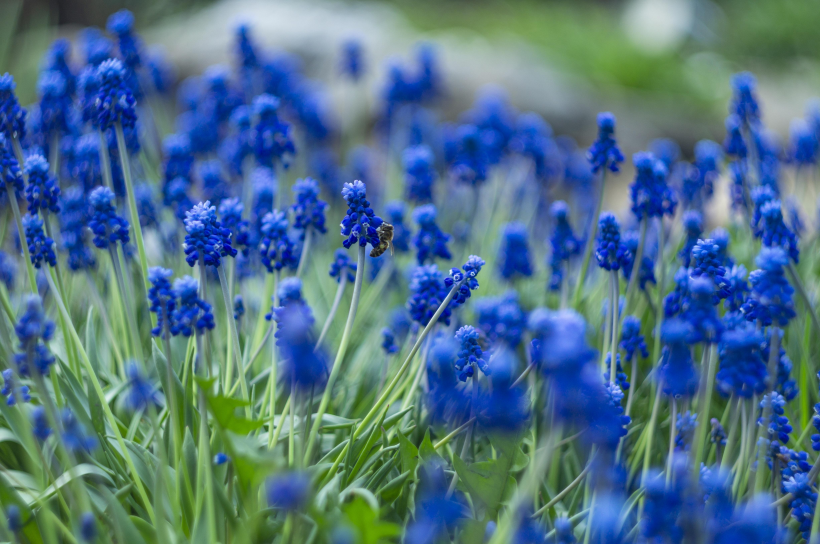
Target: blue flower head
(604, 152)
(706, 262)
(514, 255)
(39, 423)
(231, 210)
(686, 425)
(430, 241)
(176, 148)
(33, 329)
(621, 379)
(471, 160)
(677, 370)
(42, 191)
(771, 298)
(162, 299)
(206, 239)
(464, 279)
(88, 527)
(11, 391)
(744, 98)
(352, 61)
(8, 270)
(389, 341)
(302, 366)
(419, 173)
(438, 513)
(650, 195)
(277, 249)
(107, 226)
(501, 319)
(563, 242)
(775, 231)
(11, 176)
(427, 292)
(734, 144)
(246, 48)
(57, 59)
(273, 144)
(470, 355)
(359, 223)
(666, 150)
(55, 103)
(121, 24)
(698, 183)
(803, 143)
(396, 211)
(533, 140)
(74, 217)
(88, 85)
(40, 246)
(738, 177)
(141, 392)
(74, 434)
(632, 341)
(565, 332)
(737, 286)
(693, 225)
(342, 266)
(238, 307)
(761, 196)
(611, 253)
(214, 185)
(700, 310)
(191, 312)
(308, 209)
(115, 102)
(161, 72)
(495, 119)
(84, 165)
(12, 116)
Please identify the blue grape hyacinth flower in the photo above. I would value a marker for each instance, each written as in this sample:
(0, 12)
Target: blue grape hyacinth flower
(611, 253)
(206, 239)
(308, 209)
(273, 144)
(12, 116)
(141, 393)
(430, 241)
(604, 153)
(11, 391)
(74, 217)
(276, 248)
(40, 246)
(419, 173)
(563, 242)
(464, 279)
(115, 101)
(470, 355)
(162, 299)
(342, 266)
(514, 254)
(771, 299)
(395, 212)
(191, 312)
(360, 222)
(42, 191)
(677, 370)
(108, 227)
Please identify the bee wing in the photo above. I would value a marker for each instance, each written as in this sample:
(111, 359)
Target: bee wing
(392, 251)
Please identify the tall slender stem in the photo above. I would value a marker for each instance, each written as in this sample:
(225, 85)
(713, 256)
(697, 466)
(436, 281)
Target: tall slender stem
(333, 308)
(305, 252)
(593, 231)
(129, 308)
(233, 339)
(774, 357)
(125, 164)
(376, 408)
(21, 232)
(707, 365)
(273, 368)
(672, 429)
(613, 366)
(337, 363)
(92, 376)
(656, 349)
(636, 264)
(105, 161)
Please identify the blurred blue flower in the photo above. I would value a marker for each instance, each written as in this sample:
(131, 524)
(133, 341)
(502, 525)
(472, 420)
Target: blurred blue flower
(470, 354)
(514, 254)
(471, 159)
(141, 393)
(42, 191)
(55, 103)
(107, 226)
(744, 98)
(563, 242)
(611, 253)
(276, 248)
(427, 292)
(351, 63)
(115, 100)
(190, 313)
(677, 370)
(74, 435)
(273, 144)
(771, 298)
(308, 209)
(162, 299)
(342, 266)
(40, 246)
(604, 153)
(501, 319)
(11, 391)
(419, 173)
(12, 116)
(395, 212)
(430, 241)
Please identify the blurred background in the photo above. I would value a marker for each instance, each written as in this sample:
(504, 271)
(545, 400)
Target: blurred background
(662, 66)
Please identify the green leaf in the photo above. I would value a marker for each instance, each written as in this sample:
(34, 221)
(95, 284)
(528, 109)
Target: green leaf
(124, 527)
(486, 481)
(409, 454)
(365, 521)
(392, 489)
(426, 450)
(224, 411)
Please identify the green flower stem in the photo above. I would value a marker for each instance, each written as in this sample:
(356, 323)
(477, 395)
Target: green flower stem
(333, 308)
(636, 266)
(593, 231)
(92, 376)
(446, 440)
(109, 331)
(125, 163)
(337, 363)
(376, 408)
(21, 231)
(233, 341)
(656, 348)
(704, 404)
(305, 252)
(275, 434)
(650, 433)
(730, 441)
(673, 423)
(176, 437)
(259, 329)
(291, 441)
(556, 499)
(105, 161)
(271, 388)
(125, 290)
(615, 296)
(774, 356)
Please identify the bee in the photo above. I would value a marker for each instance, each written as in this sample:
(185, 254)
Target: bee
(385, 232)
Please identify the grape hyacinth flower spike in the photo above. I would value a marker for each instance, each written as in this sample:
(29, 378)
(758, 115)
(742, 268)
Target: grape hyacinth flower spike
(603, 155)
(430, 241)
(308, 216)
